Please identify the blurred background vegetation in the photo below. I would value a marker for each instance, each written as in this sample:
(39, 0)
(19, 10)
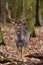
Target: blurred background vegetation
(19, 9)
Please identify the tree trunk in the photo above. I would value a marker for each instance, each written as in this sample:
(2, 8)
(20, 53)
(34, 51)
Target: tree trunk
(37, 23)
(0, 10)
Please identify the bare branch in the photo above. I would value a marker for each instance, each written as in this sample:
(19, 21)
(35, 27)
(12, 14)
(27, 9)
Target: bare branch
(35, 55)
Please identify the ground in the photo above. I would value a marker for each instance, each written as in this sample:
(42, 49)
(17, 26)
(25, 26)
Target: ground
(35, 44)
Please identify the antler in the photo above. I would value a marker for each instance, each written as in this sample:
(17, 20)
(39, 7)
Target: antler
(24, 18)
(18, 21)
(11, 21)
